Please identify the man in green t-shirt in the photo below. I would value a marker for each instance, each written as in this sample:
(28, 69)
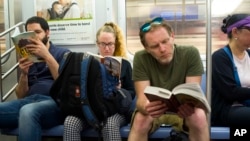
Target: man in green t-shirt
(164, 64)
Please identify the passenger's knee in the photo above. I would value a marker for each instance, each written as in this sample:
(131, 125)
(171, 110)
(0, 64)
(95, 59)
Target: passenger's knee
(67, 121)
(27, 111)
(73, 123)
(142, 123)
(198, 120)
(111, 123)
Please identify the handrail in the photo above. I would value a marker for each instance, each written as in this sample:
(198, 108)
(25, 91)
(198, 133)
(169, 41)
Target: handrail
(9, 92)
(13, 68)
(5, 33)
(10, 29)
(10, 71)
(7, 52)
(5, 96)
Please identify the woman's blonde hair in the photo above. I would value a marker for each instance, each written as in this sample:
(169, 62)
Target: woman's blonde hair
(111, 27)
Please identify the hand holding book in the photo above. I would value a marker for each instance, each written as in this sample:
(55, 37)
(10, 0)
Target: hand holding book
(20, 41)
(187, 93)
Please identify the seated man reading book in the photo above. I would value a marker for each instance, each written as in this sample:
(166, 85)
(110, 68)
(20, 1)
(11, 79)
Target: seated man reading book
(34, 109)
(165, 64)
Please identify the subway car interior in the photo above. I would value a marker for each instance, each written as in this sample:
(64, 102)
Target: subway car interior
(195, 22)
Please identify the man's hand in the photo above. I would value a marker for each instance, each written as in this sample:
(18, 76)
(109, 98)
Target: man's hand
(24, 64)
(185, 110)
(38, 48)
(156, 108)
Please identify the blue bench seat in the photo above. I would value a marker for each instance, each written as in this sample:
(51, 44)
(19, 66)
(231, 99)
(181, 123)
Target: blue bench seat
(162, 132)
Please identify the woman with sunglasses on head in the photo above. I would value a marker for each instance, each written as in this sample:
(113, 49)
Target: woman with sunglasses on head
(164, 64)
(110, 42)
(231, 74)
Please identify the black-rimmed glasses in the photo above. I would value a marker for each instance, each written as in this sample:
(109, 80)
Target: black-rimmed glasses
(103, 45)
(147, 26)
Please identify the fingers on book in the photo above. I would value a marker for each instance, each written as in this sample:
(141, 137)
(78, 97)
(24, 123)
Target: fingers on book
(190, 93)
(20, 41)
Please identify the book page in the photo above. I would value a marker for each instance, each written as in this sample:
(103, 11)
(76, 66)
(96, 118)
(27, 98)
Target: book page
(96, 56)
(156, 93)
(113, 65)
(20, 41)
(191, 93)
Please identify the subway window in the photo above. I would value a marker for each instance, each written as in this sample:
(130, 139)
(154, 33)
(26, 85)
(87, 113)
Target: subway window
(187, 18)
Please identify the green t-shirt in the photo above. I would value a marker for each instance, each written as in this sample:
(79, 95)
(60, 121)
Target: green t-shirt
(186, 62)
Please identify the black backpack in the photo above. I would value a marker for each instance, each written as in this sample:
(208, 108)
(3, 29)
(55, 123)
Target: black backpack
(87, 90)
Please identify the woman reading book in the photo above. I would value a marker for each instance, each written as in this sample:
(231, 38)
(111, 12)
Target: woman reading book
(110, 42)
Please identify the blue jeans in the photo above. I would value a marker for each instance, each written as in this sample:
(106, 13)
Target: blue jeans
(30, 114)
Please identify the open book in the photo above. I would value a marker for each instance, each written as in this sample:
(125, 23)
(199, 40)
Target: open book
(184, 93)
(20, 40)
(112, 63)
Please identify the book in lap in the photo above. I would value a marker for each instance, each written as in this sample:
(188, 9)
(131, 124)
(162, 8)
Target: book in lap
(113, 63)
(190, 93)
(20, 41)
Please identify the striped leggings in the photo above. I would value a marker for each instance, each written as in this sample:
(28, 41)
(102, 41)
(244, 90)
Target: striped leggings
(73, 126)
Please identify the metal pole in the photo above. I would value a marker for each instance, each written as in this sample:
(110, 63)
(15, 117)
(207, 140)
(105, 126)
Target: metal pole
(208, 54)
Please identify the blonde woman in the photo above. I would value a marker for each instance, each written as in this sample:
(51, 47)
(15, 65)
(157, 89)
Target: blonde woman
(110, 41)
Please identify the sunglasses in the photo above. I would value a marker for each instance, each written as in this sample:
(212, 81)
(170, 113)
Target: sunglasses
(146, 27)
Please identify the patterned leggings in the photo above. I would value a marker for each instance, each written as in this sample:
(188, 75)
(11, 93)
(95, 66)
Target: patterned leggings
(73, 126)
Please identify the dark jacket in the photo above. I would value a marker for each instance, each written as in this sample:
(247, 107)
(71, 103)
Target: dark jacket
(224, 88)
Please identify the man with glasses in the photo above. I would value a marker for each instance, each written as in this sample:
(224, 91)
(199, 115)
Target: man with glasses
(164, 64)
